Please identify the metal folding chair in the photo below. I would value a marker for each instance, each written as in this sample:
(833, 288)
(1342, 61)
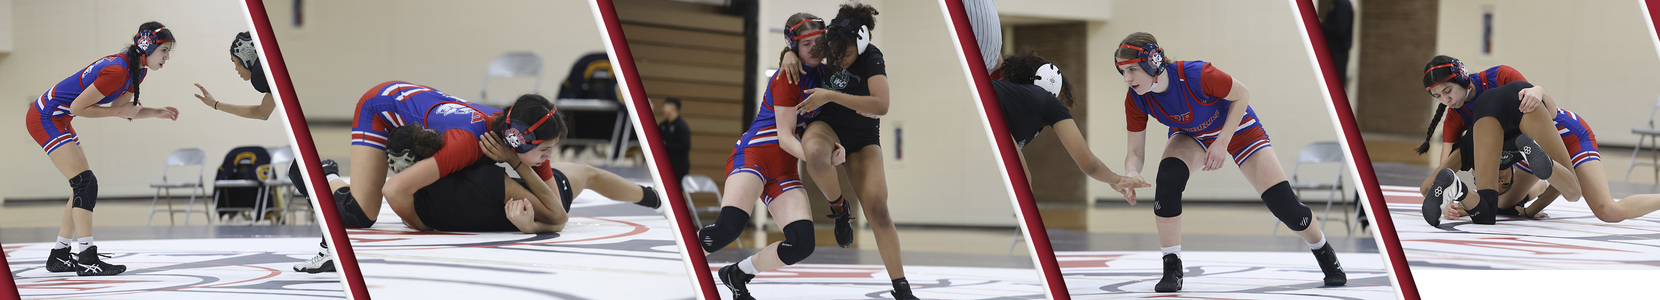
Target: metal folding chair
(180, 158)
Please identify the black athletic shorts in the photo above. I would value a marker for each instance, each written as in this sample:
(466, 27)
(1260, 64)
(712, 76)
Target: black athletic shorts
(474, 199)
(855, 131)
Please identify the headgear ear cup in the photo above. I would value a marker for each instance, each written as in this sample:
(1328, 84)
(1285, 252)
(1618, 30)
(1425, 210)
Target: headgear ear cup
(1149, 57)
(790, 38)
(523, 137)
(1049, 78)
(864, 39)
(146, 41)
(243, 49)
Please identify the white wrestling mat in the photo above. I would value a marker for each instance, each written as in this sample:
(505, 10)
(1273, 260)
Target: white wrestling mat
(223, 268)
(1571, 239)
(609, 250)
(839, 281)
(1221, 275)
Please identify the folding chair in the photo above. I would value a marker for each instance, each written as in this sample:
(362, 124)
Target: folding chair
(1328, 152)
(511, 65)
(180, 158)
(281, 185)
(1653, 135)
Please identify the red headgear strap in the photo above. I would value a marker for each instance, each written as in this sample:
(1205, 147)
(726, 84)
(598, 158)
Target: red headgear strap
(538, 123)
(808, 34)
(1138, 59)
(1438, 82)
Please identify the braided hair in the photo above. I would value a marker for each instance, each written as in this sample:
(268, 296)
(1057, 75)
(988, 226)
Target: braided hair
(1440, 69)
(135, 58)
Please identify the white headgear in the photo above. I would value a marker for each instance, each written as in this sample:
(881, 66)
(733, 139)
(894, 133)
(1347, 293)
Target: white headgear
(1049, 78)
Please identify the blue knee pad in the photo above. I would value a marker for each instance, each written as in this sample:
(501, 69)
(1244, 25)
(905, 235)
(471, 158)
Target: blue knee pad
(1284, 204)
(1172, 180)
(798, 242)
(85, 186)
(726, 229)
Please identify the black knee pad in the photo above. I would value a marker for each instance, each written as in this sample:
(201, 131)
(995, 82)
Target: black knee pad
(798, 242)
(1282, 201)
(351, 214)
(1167, 195)
(726, 229)
(85, 186)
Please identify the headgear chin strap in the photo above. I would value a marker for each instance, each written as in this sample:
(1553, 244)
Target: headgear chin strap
(1049, 78)
(146, 41)
(1459, 74)
(1150, 57)
(790, 39)
(523, 137)
(244, 51)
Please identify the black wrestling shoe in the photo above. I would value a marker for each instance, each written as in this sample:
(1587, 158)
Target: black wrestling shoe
(735, 280)
(1172, 280)
(1446, 189)
(331, 168)
(1535, 156)
(844, 222)
(902, 290)
(60, 261)
(88, 264)
(1328, 264)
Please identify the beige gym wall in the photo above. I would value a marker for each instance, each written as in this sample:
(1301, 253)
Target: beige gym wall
(51, 40)
(1257, 42)
(948, 175)
(347, 47)
(1595, 58)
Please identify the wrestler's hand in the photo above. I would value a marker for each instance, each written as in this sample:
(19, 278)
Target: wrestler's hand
(1215, 157)
(790, 65)
(1531, 98)
(496, 148)
(816, 98)
(1129, 194)
(1126, 185)
(519, 213)
(838, 156)
(206, 97)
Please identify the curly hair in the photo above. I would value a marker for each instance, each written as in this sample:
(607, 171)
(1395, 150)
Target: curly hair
(1022, 68)
(843, 31)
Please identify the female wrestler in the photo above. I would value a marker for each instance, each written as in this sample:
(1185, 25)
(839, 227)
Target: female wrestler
(245, 58)
(1034, 95)
(85, 94)
(395, 104)
(763, 164)
(481, 197)
(1210, 117)
(1508, 112)
(853, 95)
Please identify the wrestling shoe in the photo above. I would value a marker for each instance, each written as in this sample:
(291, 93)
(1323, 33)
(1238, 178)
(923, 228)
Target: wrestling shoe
(1535, 156)
(902, 290)
(323, 262)
(88, 264)
(1328, 264)
(844, 222)
(60, 261)
(1172, 280)
(1446, 189)
(734, 280)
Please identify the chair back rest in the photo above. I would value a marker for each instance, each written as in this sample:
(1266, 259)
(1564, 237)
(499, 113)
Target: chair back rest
(1321, 152)
(185, 157)
(280, 154)
(695, 183)
(515, 64)
(1651, 112)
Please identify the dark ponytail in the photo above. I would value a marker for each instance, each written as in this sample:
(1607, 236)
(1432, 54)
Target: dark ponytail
(419, 141)
(528, 109)
(1440, 109)
(134, 64)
